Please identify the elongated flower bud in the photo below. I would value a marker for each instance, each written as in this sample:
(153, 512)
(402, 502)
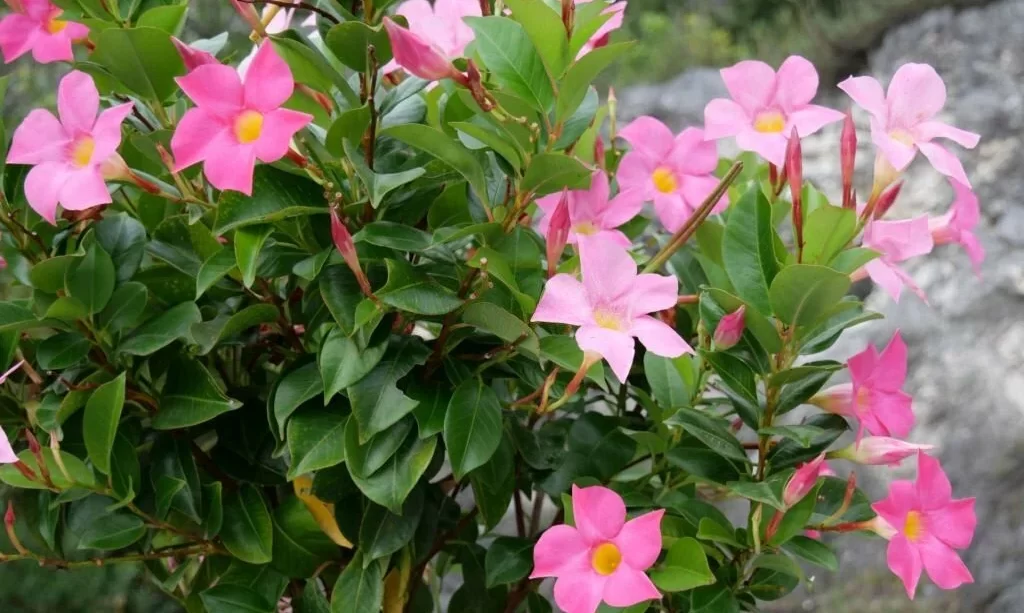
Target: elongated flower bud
(886, 200)
(568, 16)
(114, 168)
(193, 58)
(848, 160)
(879, 451)
(419, 57)
(802, 481)
(249, 14)
(795, 176)
(558, 232)
(343, 243)
(730, 329)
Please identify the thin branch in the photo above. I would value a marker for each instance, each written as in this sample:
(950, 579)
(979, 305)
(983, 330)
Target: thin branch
(296, 5)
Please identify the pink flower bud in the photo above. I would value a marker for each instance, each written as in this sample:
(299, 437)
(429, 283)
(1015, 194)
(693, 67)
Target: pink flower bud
(114, 168)
(558, 232)
(886, 200)
(9, 515)
(192, 57)
(879, 451)
(419, 57)
(795, 176)
(730, 329)
(343, 243)
(803, 481)
(848, 159)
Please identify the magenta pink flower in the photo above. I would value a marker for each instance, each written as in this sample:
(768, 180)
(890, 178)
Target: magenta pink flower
(879, 451)
(874, 397)
(192, 57)
(730, 329)
(896, 241)
(592, 213)
(234, 123)
(766, 106)
(957, 226)
(674, 172)
(903, 119)
(604, 557)
(612, 306)
(927, 526)
(803, 480)
(438, 35)
(601, 36)
(67, 154)
(35, 26)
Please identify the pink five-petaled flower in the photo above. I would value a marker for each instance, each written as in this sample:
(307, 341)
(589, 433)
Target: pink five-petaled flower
(874, 396)
(803, 480)
(766, 106)
(925, 527)
(234, 123)
(730, 329)
(436, 35)
(67, 154)
(35, 26)
(903, 119)
(672, 171)
(896, 241)
(612, 305)
(604, 557)
(603, 33)
(592, 213)
(957, 225)
(879, 451)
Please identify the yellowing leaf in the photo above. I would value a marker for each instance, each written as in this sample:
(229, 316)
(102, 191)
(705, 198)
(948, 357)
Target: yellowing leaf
(396, 585)
(321, 511)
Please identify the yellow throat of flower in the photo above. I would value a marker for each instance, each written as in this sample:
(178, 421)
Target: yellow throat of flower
(902, 136)
(606, 559)
(770, 122)
(607, 320)
(586, 228)
(248, 126)
(913, 528)
(664, 180)
(82, 150)
(54, 26)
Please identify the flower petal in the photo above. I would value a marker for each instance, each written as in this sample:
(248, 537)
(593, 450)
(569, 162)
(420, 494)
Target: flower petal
(39, 138)
(916, 93)
(608, 271)
(901, 500)
(640, 540)
(672, 209)
(659, 337)
(78, 102)
(696, 189)
(944, 161)
(616, 347)
(268, 82)
(933, 487)
(652, 293)
(7, 455)
(623, 207)
(751, 84)
(233, 169)
(797, 83)
(560, 550)
(899, 154)
(585, 204)
(564, 301)
(953, 523)
(17, 33)
(724, 118)
(634, 173)
(215, 87)
(649, 137)
(693, 155)
(812, 118)
(905, 561)
(891, 371)
(867, 92)
(84, 189)
(42, 188)
(771, 147)
(48, 48)
(944, 566)
(195, 137)
(627, 587)
(928, 130)
(599, 513)
(579, 592)
(892, 413)
(107, 131)
(279, 126)
(885, 276)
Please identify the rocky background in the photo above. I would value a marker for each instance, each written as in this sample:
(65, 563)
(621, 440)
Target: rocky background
(966, 344)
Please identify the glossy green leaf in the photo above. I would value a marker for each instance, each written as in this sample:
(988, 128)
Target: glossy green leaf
(827, 230)
(441, 146)
(382, 532)
(300, 547)
(711, 432)
(581, 74)
(232, 598)
(162, 330)
(92, 281)
(508, 560)
(378, 185)
(360, 587)
(248, 244)
(48, 275)
(80, 473)
(685, 567)
(494, 484)
(316, 439)
(513, 61)
(349, 41)
(295, 388)
(191, 396)
(551, 172)
(113, 531)
(803, 293)
(739, 381)
(102, 414)
(143, 59)
(344, 361)
(213, 269)
(126, 306)
(748, 249)
(472, 426)
(813, 551)
(170, 19)
(540, 20)
(175, 479)
(276, 195)
(211, 333)
(248, 531)
(390, 485)
(377, 403)
(62, 350)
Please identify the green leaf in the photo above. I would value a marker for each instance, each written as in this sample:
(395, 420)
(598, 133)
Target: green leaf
(248, 531)
(802, 434)
(311, 600)
(581, 74)
(62, 351)
(540, 22)
(441, 146)
(113, 531)
(803, 293)
(295, 388)
(512, 59)
(711, 530)
(210, 334)
(685, 567)
(477, 136)
(213, 269)
(748, 250)
(162, 330)
(234, 599)
(360, 587)
(564, 352)
(382, 532)
(190, 397)
(316, 440)
(795, 519)
(344, 361)
(248, 245)
(349, 40)
(846, 314)
(143, 59)
(170, 19)
(713, 599)
(551, 172)
(494, 484)
(499, 322)
(393, 236)
(711, 432)
(378, 185)
(340, 291)
(350, 126)
(740, 383)
(125, 307)
(14, 316)
(759, 491)
(671, 379)
(472, 426)
(300, 546)
(377, 403)
(391, 484)
(508, 560)
(175, 479)
(125, 472)
(853, 259)
(48, 275)
(102, 414)
(812, 551)
(432, 399)
(276, 195)
(412, 290)
(827, 231)
(760, 326)
(81, 474)
(92, 281)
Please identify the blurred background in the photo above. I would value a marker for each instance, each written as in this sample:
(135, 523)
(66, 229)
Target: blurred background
(966, 344)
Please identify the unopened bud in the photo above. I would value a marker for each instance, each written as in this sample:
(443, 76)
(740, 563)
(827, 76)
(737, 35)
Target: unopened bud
(193, 58)
(568, 16)
(474, 81)
(33, 443)
(322, 99)
(418, 56)
(7, 455)
(886, 200)
(599, 152)
(879, 451)
(802, 481)
(114, 168)
(9, 517)
(795, 176)
(730, 329)
(343, 243)
(558, 232)
(251, 17)
(848, 159)
(12, 535)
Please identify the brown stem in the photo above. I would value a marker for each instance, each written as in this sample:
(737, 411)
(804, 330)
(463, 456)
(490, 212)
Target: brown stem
(205, 548)
(299, 5)
(371, 130)
(439, 543)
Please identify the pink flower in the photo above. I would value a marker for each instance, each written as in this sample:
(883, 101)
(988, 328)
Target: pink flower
(896, 241)
(35, 26)
(603, 33)
(612, 306)
(874, 396)
(437, 33)
(766, 106)
(672, 171)
(592, 213)
(604, 557)
(803, 480)
(192, 57)
(879, 451)
(902, 119)
(7, 455)
(557, 233)
(730, 329)
(957, 226)
(279, 22)
(234, 123)
(67, 154)
(928, 525)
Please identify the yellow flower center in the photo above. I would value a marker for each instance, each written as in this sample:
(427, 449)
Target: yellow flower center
(913, 528)
(664, 180)
(902, 136)
(54, 26)
(81, 151)
(606, 559)
(586, 228)
(248, 126)
(770, 122)
(607, 320)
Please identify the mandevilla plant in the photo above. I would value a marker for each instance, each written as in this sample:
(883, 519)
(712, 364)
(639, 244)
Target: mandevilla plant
(355, 326)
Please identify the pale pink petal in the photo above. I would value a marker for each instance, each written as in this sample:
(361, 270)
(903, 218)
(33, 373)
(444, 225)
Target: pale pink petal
(751, 84)
(564, 301)
(43, 186)
(269, 82)
(558, 551)
(916, 93)
(640, 541)
(901, 239)
(771, 147)
(966, 209)
(634, 173)
(215, 87)
(586, 203)
(933, 486)
(953, 523)
(7, 455)
(17, 33)
(84, 189)
(599, 513)
(648, 136)
(928, 130)
(279, 126)
(885, 276)
(899, 154)
(944, 161)
(797, 83)
(944, 567)
(724, 118)
(618, 348)
(623, 207)
(672, 210)
(230, 166)
(47, 48)
(692, 155)
(867, 92)
(905, 561)
(614, 237)
(652, 293)
(39, 138)
(659, 337)
(891, 370)
(608, 271)
(10, 371)
(812, 118)
(974, 250)
(107, 131)
(696, 189)
(196, 132)
(579, 592)
(75, 31)
(901, 500)
(416, 10)
(78, 102)
(627, 587)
